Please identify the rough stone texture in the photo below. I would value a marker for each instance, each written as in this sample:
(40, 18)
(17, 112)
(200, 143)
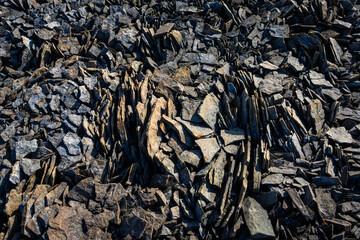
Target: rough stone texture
(257, 219)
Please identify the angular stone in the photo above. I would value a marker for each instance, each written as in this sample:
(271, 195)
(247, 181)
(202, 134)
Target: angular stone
(340, 135)
(257, 219)
(326, 205)
(24, 147)
(197, 130)
(164, 29)
(72, 143)
(209, 109)
(30, 166)
(203, 58)
(232, 135)
(279, 31)
(193, 157)
(83, 191)
(209, 147)
(273, 179)
(317, 114)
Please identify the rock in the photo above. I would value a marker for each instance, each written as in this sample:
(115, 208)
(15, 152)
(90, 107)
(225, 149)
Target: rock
(257, 219)
(232, 135)
(209, 147)
(14, 201)
(30, 166)
(203, 58)
(24, 147)
(83, 191)
(279, 31)
(72, 143)
(317, 114)
(340, 135)
(326, 205)
(209, 109)
(164, 29)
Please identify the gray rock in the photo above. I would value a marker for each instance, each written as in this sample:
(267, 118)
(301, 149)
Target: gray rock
(209, 147)
(197, 130)
(295, 64)
(72, 143)
(15, 173)
(232, 135)
(340, 135)
(24, 147)
(164, 29)
(30, 166)
(209, 109)
(66, 159)
(189, 110)
(279, 31)
(127, 37)
(192, 157)
(268, 65)
(317, 114)
(199, 58)
(84, 95)
(273, 179)
(257, 219)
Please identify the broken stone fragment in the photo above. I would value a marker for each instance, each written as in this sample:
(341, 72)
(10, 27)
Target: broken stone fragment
(232, 135)
(153, 134)
(72, 143)
(24, 147)
(209, 109)
(203, 58)
(317, 114)
(192, 157)
(164, 29)
(340, 135)
(209, 147)
(30, 166)
(207, 192)
(197, 130)
(257, 219)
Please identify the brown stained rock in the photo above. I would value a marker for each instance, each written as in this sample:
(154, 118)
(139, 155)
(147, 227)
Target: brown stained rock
(317, 114)
(197, 130)
(182, 75)
(13, 202)
(152, 133)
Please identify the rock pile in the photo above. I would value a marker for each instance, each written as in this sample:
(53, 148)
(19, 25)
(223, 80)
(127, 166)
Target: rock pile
(179, 119)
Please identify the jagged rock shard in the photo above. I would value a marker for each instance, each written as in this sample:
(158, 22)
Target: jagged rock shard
(340, 135)
(197, 130)
(326, 205)
(317, 114)
(232, 135)
(193, 157)
(217, 173)
(209, 109)
(23, 148)
(257, 219)
(30, 166)
(209, 147)
(200, 58)
(164, 29)
(153, 134)
(279, 31)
